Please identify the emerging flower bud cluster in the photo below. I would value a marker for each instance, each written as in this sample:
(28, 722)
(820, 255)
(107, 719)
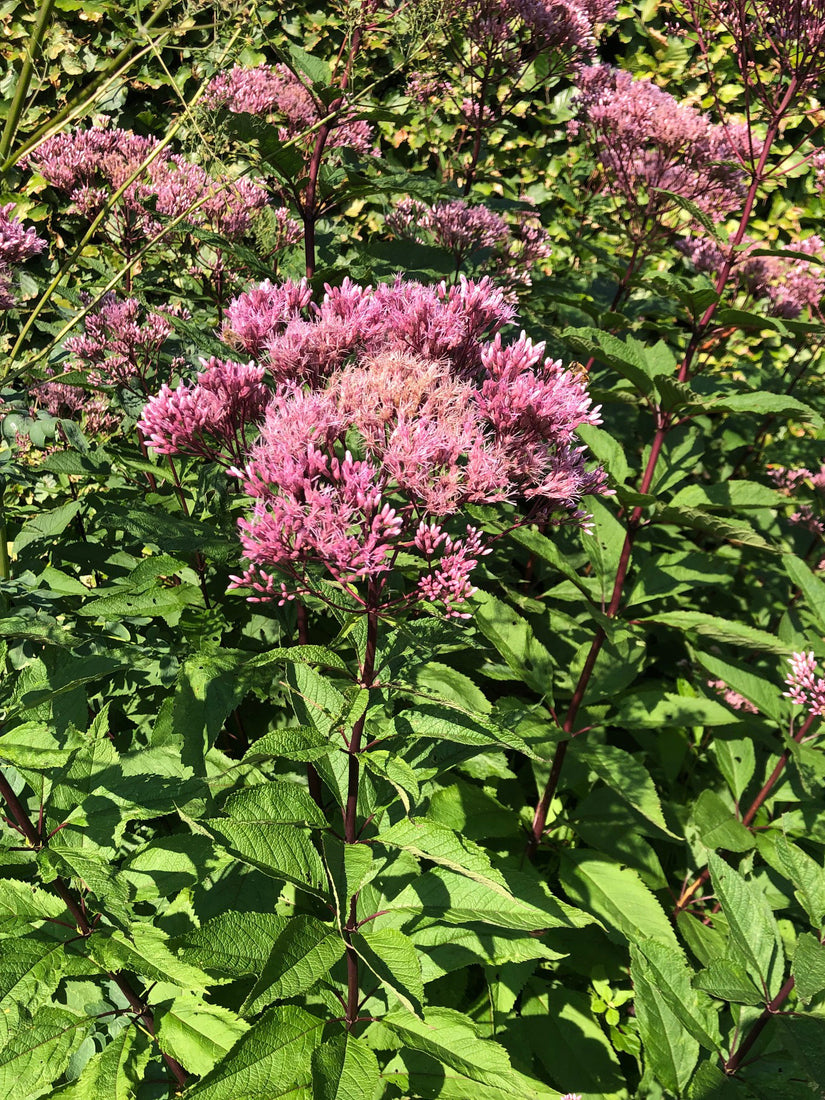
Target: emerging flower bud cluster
(392, 409)
(805, 688)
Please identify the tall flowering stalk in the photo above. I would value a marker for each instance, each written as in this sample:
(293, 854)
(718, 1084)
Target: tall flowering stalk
(390, 410)
(800, 58)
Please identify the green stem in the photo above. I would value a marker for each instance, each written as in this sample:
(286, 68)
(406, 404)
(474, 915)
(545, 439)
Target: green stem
(44, 13)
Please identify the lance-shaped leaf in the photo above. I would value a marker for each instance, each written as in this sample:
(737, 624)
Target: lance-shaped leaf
(440, 894)
(115, 1073)
(667, 973)
(441, 845)
(232, 943)
(670, 1050)
(272, 1059)
(807, 876)
(721, 630)
(146, 952)
(301, 743)
(625, 775)
(617, 895)
(809, 967)
(38, 1053)
(344, 1069)
(755, 937)
(303, 953)
(281, 851)
(279, 802)
(393, 959)
(197, 1034)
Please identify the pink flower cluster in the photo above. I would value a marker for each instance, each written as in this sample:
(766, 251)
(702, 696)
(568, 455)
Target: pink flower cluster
(790, 482)
(806, 689)
(395, 408)
(211, 417)
(120, 347)
(433, 322)
(276, 90)
(649, 144)
(16, 246)
(789, 283)
(462, 229)
(567, 27)
(91, 165)
(732, 698)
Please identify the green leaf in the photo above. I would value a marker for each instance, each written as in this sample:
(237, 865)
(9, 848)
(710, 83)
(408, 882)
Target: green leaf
(625, 775)
(616, 895)
(30, 970)
(669, 978)
(718, 826)
(315, 68)
(344, 1069)
(38, 1053)
(729, 495)
(298, 743)
(445, 722)
(807, 877)
(736, 531)
(272, 1059)
(812, 588)
(393, 959)
(115, 1073)
(146, 952)
(766, 404)
(569, 1042)
(157, 602)
(22, 904)
(281, 851)
(34, 745)
(278, 801)
(722, 630)
(737, 763)
(803, 1037)
(754, 932)
(445, 896)
(764, 695)
(233, 943)
(726, 980)
(451, 1039)
(515, 640)
(298, 654)
(301, 954)
(47, 525)
(195, 1033)
(809, 967)
(670, 1050)
(428, 840)
(656, 709)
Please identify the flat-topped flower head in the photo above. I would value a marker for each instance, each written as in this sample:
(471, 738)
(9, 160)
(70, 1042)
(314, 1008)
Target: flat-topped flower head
(393, 409)
(211, 417)
(511, 248)
(90, 165)
(121, 343)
